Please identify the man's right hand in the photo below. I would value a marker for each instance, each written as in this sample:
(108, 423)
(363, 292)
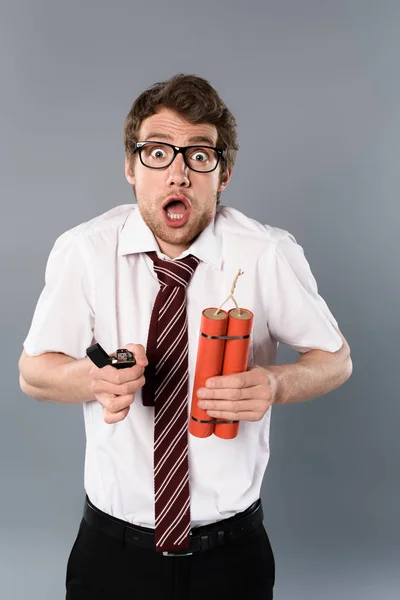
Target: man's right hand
(115, 388)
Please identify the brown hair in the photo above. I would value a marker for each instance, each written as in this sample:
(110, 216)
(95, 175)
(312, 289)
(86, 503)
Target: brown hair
(194, 99)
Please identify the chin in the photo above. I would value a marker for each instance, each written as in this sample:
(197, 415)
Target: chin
(176, 236)
(183, 239)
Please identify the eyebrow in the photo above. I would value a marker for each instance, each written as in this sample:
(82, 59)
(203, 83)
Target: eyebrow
(197, 139)
(202, 139)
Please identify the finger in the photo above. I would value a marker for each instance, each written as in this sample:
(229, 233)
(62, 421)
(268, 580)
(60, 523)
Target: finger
(233, 407)
(115, 404)
(229, 393)
(117, 376)
(111, 418)
(255, 376)
(232, 416)
(100, 386)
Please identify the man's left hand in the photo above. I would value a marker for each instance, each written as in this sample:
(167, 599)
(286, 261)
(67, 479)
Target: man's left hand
(241, 397)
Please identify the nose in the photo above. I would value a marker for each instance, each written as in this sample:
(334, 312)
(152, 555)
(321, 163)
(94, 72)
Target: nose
(178, 173)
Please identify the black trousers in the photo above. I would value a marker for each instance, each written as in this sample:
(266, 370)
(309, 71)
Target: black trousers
(102, 568)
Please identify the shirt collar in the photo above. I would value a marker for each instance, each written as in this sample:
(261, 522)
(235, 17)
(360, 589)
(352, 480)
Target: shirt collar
(136, 237)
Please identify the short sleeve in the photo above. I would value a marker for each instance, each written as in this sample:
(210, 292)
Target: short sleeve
(298, 315)
(63, 320)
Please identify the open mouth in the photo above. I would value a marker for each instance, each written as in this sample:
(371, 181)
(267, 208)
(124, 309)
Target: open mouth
(176, 210)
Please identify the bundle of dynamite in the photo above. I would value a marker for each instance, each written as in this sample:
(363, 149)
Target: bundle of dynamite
(223, 349)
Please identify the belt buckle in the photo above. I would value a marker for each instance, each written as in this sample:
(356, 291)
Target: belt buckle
(179, 553)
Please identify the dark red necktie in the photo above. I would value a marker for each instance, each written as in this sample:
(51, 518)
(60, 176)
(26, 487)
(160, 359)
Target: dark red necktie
(166, 389)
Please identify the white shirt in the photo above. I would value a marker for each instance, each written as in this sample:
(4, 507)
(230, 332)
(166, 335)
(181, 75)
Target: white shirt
(100, 287)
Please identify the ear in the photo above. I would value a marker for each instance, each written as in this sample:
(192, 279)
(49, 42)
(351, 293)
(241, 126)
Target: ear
(225, 180)
(129, 172)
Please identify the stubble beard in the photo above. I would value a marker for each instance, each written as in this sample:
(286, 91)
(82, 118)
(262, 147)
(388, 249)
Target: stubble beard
(185, 235)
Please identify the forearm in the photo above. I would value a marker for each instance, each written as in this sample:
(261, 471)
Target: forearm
(54, 377)
(314, 374)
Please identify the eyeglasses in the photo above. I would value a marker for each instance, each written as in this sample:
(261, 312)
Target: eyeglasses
(202, 159)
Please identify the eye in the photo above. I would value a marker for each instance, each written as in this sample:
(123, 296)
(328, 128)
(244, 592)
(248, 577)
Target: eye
(158, 153)
(200, 156)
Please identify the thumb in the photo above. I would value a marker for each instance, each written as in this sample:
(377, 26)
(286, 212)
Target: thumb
(138, 352)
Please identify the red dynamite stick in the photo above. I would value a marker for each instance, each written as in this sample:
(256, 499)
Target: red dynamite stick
(235, 359)
(210, 354)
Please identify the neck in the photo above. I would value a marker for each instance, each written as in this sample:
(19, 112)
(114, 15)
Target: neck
(171, 250)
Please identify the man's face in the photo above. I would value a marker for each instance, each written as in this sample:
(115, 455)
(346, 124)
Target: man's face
(154, 188)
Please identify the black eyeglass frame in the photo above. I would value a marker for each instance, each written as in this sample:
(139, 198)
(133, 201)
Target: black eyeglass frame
(138, 146)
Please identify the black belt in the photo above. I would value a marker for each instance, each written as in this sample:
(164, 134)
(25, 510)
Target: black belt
(201, 538)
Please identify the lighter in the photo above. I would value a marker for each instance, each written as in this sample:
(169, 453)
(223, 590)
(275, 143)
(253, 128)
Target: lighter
(123, 359)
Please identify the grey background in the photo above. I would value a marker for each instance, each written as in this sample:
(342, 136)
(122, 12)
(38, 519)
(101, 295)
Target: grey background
(315, 88)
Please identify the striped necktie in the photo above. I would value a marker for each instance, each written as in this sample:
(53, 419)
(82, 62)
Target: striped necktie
(166, 389)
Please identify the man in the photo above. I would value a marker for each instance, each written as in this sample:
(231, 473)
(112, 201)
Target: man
(176, 516)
